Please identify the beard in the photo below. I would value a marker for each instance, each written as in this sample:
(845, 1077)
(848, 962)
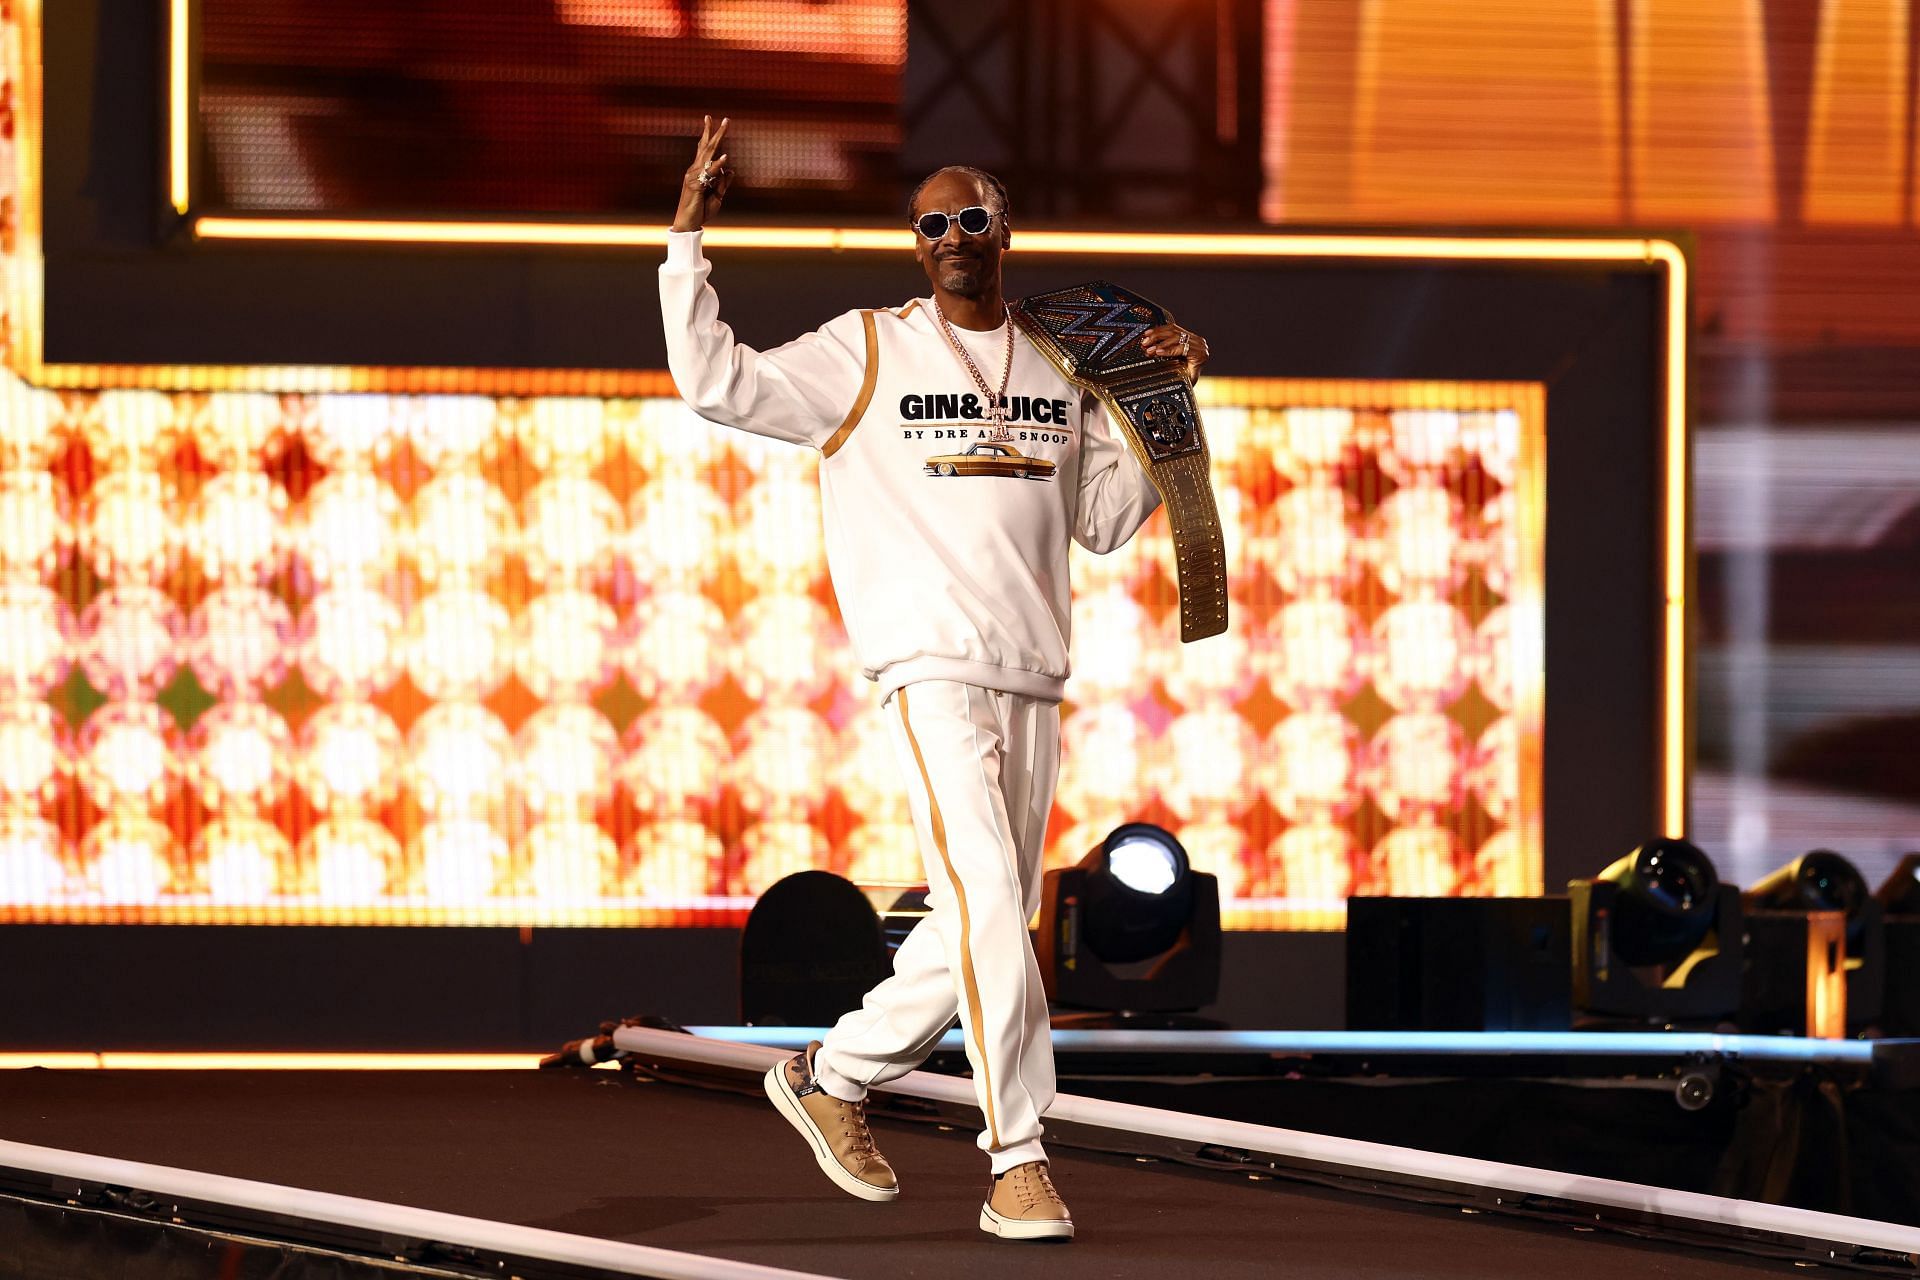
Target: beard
(963, 278)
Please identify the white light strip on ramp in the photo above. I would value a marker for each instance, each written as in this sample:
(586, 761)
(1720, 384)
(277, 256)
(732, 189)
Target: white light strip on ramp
(115, 1060)
(1360, 1157)
(388, 1219)
(1598, 1044)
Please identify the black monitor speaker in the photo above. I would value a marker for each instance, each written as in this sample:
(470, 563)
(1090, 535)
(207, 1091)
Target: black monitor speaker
(811, 950)
(1458, 964)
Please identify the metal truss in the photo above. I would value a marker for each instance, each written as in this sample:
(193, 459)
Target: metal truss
(1091, 109)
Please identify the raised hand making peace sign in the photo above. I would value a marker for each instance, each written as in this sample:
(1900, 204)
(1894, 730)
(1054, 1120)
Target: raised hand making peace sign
(706, 181)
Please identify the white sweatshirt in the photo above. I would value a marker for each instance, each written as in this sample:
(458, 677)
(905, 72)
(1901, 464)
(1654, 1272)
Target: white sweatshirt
(948, 553)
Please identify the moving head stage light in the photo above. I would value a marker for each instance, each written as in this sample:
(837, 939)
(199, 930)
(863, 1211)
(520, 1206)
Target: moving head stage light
(1131, 936)
(1657, 937)
(1900, 894)
(898, 920)
(1788, 956)
(1899, 900)
(1819, 881)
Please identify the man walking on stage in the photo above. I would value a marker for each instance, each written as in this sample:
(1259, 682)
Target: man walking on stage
(956, 463)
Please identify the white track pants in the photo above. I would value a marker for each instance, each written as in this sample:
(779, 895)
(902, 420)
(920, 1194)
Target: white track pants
(980, 767)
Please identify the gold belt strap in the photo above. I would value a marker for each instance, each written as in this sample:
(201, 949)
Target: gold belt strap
(1092, 333)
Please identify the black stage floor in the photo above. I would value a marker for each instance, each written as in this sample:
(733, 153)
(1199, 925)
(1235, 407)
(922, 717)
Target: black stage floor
(594, 1153)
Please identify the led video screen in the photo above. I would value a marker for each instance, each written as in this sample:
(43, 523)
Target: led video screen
(327, 658)
(583, 107)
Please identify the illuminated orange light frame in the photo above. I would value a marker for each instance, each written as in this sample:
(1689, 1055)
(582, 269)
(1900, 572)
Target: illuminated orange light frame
(1659, 254)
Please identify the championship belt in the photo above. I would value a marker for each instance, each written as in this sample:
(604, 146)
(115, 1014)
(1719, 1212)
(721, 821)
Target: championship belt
(1092, 333)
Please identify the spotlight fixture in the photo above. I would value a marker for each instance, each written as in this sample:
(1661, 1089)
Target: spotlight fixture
(1656, 937)
(1131, 936)
(1899, 895)
(1818, 881)
(1788, 960)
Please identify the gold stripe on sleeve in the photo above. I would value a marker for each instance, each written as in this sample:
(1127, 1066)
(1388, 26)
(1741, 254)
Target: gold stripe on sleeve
(859, 409)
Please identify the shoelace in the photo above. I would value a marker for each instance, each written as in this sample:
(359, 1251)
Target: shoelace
(853, 1120)
(1032, 1186)
(854, 1116)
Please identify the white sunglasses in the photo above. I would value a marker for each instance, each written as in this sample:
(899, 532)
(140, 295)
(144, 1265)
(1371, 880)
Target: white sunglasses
(974, 221)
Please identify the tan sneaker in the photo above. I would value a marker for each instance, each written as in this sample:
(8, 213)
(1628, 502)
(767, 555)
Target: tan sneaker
(837, 1131)
(1024, 1206)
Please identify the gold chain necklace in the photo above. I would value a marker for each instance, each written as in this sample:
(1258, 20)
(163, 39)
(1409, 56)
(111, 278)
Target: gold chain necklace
(996, 407)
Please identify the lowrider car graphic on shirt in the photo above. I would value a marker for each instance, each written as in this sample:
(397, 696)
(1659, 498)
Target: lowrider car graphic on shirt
(988, 458)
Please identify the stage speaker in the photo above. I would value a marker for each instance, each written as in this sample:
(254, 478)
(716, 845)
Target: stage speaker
(1458, 964)
(1796, 974)
(811, 950)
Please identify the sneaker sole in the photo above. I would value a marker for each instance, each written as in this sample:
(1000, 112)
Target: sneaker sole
(788, 1104)
(1024, 1228)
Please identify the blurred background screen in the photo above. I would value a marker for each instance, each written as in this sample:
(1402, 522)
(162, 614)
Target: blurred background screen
(578, 107)
(1779, 138)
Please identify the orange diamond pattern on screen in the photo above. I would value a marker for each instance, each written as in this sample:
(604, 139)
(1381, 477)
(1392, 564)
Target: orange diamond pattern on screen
(329, 657)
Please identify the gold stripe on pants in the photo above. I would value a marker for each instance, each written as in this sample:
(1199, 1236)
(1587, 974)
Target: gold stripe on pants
(960, 896)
